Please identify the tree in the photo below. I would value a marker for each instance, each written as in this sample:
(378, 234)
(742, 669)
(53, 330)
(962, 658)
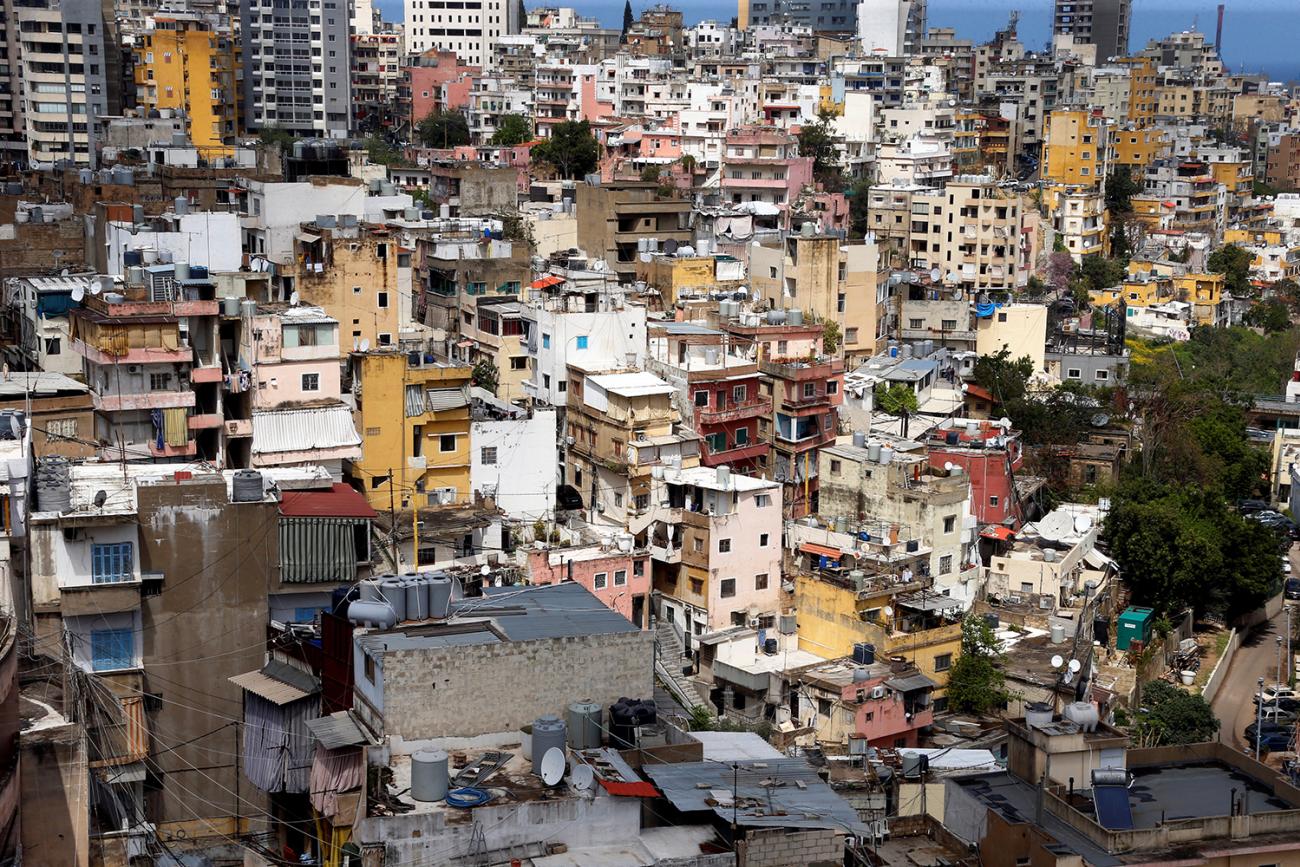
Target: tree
(651, 172)
(817, 140)
(1060, 267)
(443, 129)
(1101, 273)
(859, 208)
(898, 400)
(1120, 190)
(273, 136)
(571, 150)
(485, 375)
(1007, 379)
(1287, 291)
(514, 129)
(1271, 315)
(976, 683)
(628, 21)
(830, 336)
(381, 152)
(1233, 263)
(1170, 716)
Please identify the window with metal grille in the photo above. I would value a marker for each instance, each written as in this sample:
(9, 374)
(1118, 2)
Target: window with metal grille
(112, 649)
(111, 563)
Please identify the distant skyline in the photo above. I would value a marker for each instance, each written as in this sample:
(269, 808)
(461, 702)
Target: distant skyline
(1262, 34)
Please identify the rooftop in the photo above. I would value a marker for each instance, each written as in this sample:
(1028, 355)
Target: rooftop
(707, 477)
(38, 384)
(633, 384)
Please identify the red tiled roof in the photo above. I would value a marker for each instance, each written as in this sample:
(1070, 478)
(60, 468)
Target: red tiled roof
(340, 502)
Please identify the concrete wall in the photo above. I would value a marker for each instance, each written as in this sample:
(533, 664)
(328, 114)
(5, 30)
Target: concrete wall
(780, 848)
(209, 239)
(523, 476)
(500, 687)
(28, 248)
(55, 792)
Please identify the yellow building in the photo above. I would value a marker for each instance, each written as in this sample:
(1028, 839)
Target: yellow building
(1253, 237)
(1079, 217)
(188, 61)
(1076, 147)
(1139, 147)
(414, 424)
(832, 618)
(360, 276)
(678, 277)
(1205, 293)
(1142, 87)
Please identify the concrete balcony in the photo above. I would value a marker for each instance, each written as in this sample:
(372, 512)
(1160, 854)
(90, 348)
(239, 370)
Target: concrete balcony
(186, 451)
(734, 455)
(666, 554)
(238, 427)
(181, 355)
(755, 183)
(210, 373)
(937, 334)
(98, 599)
(205, 421)
(803, 370)
(145, 400)
(735, 412)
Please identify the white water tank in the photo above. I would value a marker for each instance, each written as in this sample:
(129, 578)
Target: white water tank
(1083, 714)
(429, 775)
(1058, 633)
(1038, 713)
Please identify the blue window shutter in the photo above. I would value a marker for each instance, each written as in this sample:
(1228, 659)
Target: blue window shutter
(112, 649)
(582, 342)
(112, 563)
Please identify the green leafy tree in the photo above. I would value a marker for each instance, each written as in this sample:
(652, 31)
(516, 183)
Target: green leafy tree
(1287, 291)
(897, 400)
(1233, 262)
(443, 129)
(859, 196)
(1101, 273)
(830, 336)
(485, 375)
(381, 152)
(1271, 315)
(651, 172)
(976, 683)
(273, 136)
(1170, 716)
(817, 140)
(1006, 378)
(571, 149)
(1120, 190)
(513, 129)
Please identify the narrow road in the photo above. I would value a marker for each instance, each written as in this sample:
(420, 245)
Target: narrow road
(1256, 657)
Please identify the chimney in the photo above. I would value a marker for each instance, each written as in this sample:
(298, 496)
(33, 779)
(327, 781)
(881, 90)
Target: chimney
(1218, 33)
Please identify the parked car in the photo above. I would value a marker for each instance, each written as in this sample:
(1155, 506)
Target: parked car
(1273, 691)
(1286, 565)
(1292, 588)
(1272, 741)
(1250, 507)
(1287, 704)
(1271, 713)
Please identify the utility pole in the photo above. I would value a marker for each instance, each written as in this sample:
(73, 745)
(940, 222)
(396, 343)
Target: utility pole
(1290, 660)
(1279, 659)
(1259, 717)
(392, 516)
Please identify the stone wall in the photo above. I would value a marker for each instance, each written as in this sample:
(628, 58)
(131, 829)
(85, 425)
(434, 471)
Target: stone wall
(42, 248)
(480, 689)
(780, 848)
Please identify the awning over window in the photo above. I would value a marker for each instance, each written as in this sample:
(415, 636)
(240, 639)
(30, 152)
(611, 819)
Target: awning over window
(546, 282)
(316, 550)
(821, 550)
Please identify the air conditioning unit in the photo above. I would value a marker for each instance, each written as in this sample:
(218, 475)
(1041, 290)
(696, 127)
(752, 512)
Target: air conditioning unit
(878, 692)
(1045, 603)
(568, 441)
(862, 696)
(753, 622)
(133, 368)
(1013, 598)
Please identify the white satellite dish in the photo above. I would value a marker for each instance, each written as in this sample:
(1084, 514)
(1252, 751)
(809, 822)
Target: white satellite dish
(96, 286)
(947, 465)
(356, 345)
(365, 344)
(1082, 523)
(1075, 665)
(935, 274)
(485, 570)
(553, 766)
(78, 292)
(293, 298)
(952, 277)
(1057, 661)
(15, 426)
(887, 611)
(582, 778)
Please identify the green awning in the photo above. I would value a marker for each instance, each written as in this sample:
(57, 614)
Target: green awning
(318, 549)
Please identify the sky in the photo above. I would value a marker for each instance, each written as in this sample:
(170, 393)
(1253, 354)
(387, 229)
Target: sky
(1259, 35)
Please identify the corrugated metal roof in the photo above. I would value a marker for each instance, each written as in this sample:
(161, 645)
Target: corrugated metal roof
(59, 284)
(270, 688)
(341, 501)
(794, 797)
(911, 682)
(337, 730)
(42, 383)
(293, 430)
(634, 384)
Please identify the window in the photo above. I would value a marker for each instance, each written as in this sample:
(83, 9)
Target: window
(546, 341)
(760, 581)
(697, 545)
(519, 363)
(724, 546)
(582, 342)
(618, 499)
(112, 563)
(599, 580)
(620, 577)
(488, 455)
(160, 381)
(52, 346)
(369, 665)
(697, 586)
(1002, 317)
(832, 387)
(383, 299)
(311, 382)
(385, 339)
(824, 706)
(1073, 373)
(949, 523)
(356, 290)
(727, 588)
(447, 443)
(1101, 375)
(835, 468)
(762, 501)
(762, 540)
(945, 564)
(742, 438)
(810, 389)
(701, 398)
(739, 393)
(112, 649)
(993, 500)
(61, 427)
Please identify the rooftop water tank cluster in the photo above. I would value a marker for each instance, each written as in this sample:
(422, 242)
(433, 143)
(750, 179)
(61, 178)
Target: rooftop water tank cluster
(390, 599)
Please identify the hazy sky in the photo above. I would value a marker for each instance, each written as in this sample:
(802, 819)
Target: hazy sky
(1261, 34)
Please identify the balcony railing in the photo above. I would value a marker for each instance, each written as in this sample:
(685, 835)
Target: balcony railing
(814, 369)
(736, 411)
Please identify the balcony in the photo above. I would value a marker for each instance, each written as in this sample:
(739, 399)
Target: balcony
(166, 451)
(145, 400)
(666, 554)
(734, 455)
(735, 412)
(239, 427)
(803, 370)
(206, 374)
(205, 421)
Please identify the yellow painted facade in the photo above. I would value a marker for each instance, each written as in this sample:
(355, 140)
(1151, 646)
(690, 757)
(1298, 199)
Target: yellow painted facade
(189, 62)
(1076, 147)
(1252, 237)
(423, 451)
(358, 283)
(1142, 87)
(678, 276)
(1205, 293)
(1138, 148)
(831, 622)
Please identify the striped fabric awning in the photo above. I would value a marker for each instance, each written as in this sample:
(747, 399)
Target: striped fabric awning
(314, 550)
(128, 739)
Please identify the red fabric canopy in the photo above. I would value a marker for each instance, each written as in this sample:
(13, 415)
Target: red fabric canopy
(546, 282)
(821, 550)
(1002, 534)
(339, 502)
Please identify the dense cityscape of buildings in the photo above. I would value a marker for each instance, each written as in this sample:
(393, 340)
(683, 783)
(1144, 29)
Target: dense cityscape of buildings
(496, 438)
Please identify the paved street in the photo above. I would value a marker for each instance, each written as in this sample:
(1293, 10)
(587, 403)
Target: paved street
(1257, 656)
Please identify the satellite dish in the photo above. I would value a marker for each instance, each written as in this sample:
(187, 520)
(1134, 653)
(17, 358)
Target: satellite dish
(17, 427)
(887, 611)
(100, 498)
(935, 274)
(670, 246)
(485, 571)
(78, 292)
(947, 465)
(1082, 523)
(553, 766)
(96, 287)
(951, 277)
(365, 344)
(293, 298)
(582, 778)
(1004, 422)
(63, 273)
(1075, 665)
(1057, 661)
(356, 345)
(1101, 419)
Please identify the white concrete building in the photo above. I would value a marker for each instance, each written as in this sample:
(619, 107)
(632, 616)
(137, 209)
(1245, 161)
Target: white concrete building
(513, 461)
(271, 212)
(210, 240)
(613, 337)
(470, 32)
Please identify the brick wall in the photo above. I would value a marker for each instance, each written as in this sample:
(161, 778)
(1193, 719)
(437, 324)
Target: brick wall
(44, 248)
(779, 848)
(468, 691)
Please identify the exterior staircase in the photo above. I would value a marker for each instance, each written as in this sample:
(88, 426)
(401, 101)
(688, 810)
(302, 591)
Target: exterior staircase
(670, 656)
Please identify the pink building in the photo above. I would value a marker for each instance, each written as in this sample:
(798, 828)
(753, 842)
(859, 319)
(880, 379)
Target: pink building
(434, 80)
(295, 353)
(889, 704)
(830, 210)
(620, 579)
(762, 164)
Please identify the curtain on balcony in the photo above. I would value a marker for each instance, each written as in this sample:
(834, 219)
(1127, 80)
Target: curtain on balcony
(318, 549)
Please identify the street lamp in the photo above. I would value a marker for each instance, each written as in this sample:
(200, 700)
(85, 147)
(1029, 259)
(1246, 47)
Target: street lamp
(1279, 660)
(1259, 717)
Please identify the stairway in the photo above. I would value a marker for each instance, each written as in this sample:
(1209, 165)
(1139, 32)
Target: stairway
(669, 660)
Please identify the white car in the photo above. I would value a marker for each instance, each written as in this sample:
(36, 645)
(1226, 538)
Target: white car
(1275, 690)
(1286, 565)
